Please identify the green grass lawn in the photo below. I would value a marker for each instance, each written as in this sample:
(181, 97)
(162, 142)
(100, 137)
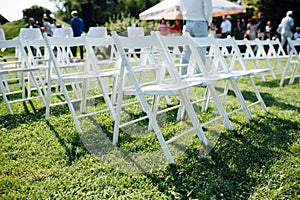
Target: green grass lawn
(259, 160)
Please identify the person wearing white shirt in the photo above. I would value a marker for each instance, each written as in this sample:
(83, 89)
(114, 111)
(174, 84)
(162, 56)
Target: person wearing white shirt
(287, 24)
(226, 27)
(197, 15)
(54, 25)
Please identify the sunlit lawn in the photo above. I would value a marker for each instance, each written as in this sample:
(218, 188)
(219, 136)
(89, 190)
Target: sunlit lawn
(259, 160)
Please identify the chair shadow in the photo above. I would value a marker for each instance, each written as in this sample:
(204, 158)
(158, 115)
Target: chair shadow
(13, 121)
(269, 100)
(228, 168)
(70, 146)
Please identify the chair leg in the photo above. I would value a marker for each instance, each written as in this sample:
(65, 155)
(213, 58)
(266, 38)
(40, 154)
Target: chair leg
(155, 104)
(258, 96)
(5, 98)
(190, 110)
(241, 99)
(84, 96)
(220, 107)
(206, 100)
(292, 79)
(118, 110)
(38, 88)
(107, 99)
(156, 129)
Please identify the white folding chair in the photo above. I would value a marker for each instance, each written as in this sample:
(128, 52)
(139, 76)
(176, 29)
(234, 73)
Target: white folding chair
(291, 70)
(238, 68)
(170, 44)
(19, 77)
(107, 64)
(215, 70)
(255, 56)
(79, 84)
(155, 84)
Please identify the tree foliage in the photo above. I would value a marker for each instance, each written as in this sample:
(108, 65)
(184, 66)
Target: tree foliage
(105, 10)
(275, 10)
(37, 12)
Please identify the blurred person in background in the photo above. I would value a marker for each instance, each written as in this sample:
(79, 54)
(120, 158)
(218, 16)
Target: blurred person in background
(77, 25)
(162, 27)
(268, 30)
(251, 32)
(46, 26)
(240, 29)
(176, 27)
(31, 23)
(287, 28)
(226, 26)
(297, 33)
(197, 16)
(262, 23)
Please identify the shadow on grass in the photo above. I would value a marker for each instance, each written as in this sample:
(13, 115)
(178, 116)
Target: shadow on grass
(269, 100)
(269, 83)
(31, 113)
(13, 121)
(235, 167)
(73, 146)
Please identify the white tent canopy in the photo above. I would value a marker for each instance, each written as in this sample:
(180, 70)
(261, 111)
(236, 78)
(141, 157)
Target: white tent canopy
(169, 9)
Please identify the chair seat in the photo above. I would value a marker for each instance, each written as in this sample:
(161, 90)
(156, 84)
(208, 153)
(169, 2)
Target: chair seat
(164, 88)
(249, 71)
(10, 62)
(20, 70)
(209, 79)
(81, 76)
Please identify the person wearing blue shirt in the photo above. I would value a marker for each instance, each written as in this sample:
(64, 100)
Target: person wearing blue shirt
(77, 25)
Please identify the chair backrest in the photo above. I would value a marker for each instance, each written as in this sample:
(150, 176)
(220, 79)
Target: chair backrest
(30, 33)
(278, 48)
(63, 56)
(65, 32)
(135, 31)
(2, 37)
(172, 47)
(294, 55)
(214, 63)
(36, 50)
(231, 53)
(291, 70)
(107, 59)
(144, 70)
(256, 56)
(97, 32)
(12, 44)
